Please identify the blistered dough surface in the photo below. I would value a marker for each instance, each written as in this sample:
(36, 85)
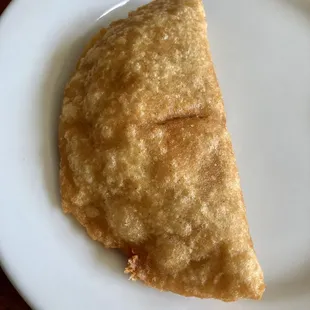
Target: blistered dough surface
(146, 160)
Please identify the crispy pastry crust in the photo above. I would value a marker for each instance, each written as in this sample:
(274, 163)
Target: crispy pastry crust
(147, 164)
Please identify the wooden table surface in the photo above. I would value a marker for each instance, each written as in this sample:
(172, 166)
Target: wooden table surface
(3, 5)
(9, 297)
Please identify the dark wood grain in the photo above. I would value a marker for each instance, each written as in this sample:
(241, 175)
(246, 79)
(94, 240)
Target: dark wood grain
(9, 297)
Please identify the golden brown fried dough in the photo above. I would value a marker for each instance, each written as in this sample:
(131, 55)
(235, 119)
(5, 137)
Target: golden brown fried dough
(147, 164)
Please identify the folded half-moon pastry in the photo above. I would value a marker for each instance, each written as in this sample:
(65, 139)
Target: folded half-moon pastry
(147, 164)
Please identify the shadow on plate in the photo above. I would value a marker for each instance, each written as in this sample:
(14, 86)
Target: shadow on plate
(294, 286)
(60, 68)
(303, 6)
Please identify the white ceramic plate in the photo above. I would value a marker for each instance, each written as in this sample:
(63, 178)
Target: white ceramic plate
(261, 50)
